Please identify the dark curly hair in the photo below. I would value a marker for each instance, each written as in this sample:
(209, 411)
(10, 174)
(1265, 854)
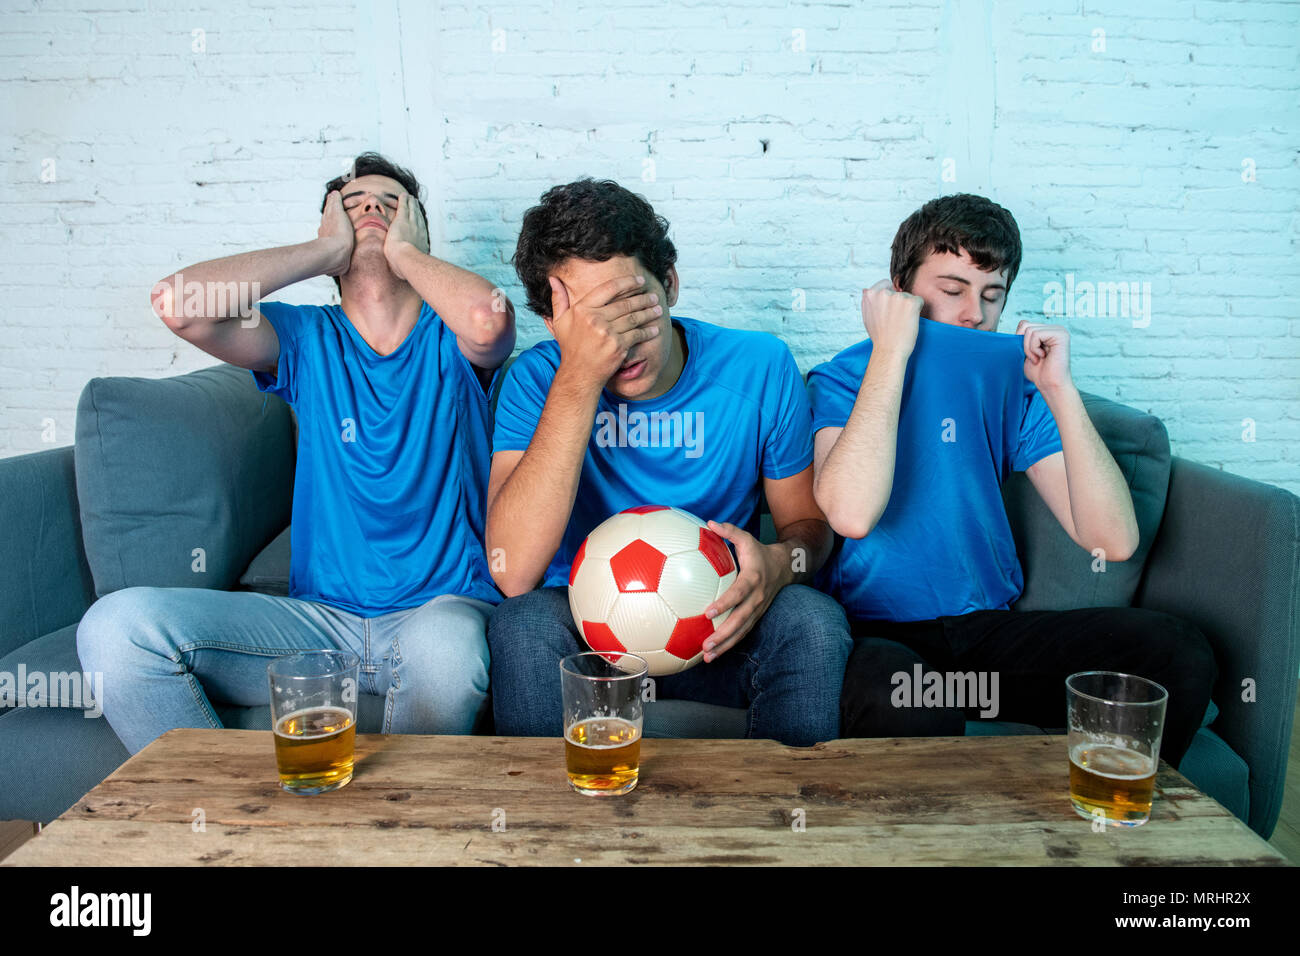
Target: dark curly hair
(953, 223)
(592, 220)
(372, 164)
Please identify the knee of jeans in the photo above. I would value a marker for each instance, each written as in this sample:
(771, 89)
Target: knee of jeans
(445, 643)
(114, 627)
(822, 627)
(524, 623)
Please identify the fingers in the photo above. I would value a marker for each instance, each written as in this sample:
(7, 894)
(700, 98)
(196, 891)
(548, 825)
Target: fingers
(747, 578)
(729, 531)
(720, 644)
(643, 309)
(608, 291)
(740, 589)
(1034, 350)
(737, 624)
(636, 336)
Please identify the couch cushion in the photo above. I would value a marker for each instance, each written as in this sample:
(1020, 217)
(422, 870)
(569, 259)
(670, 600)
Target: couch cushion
(695, 720)
(46, 581)
(1059, 574)
(50, 758)
(269, 571)
(1217, 770)
(168, 466)
(61, 681)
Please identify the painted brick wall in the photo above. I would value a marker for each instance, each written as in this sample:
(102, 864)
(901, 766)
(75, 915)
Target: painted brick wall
(784, 141)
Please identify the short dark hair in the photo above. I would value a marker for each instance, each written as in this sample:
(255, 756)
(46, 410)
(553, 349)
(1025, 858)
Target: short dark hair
(984, 229)
(373, 164)
(592, 220)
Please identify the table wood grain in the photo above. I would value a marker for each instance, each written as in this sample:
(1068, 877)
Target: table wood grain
(442, 800)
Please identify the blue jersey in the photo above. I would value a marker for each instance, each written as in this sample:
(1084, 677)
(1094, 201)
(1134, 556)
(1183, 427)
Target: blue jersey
(968, 419)
(393, 454)
(738, 413)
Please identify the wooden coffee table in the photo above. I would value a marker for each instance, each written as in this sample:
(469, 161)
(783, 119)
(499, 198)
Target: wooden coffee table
(211, 797)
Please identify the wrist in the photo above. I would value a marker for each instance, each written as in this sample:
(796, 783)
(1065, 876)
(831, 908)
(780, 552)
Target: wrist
(780, 563)
(889, 358)
(331, 254)
(401, 252)
(1057, 392)
(576, 380)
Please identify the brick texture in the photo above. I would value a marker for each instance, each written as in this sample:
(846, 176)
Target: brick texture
(784, 142)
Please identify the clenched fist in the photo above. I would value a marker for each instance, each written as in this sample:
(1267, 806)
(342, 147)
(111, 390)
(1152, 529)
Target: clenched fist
(1047, 355)
(891, 317)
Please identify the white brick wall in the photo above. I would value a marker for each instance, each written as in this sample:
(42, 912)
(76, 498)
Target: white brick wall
(1121, 164)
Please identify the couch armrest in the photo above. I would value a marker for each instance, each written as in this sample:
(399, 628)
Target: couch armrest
(1227, 559)
(45, 583)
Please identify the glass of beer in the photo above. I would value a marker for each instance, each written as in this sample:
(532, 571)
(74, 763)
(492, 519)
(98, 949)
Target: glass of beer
(314, 713)
(602, 720)
(1115, 725)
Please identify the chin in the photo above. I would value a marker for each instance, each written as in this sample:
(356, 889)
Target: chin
(633, 390)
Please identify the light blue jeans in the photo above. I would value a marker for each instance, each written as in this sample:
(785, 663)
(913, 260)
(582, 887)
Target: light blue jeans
(165, 653)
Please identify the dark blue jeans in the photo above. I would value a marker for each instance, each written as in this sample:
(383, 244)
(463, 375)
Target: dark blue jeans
(788, 670)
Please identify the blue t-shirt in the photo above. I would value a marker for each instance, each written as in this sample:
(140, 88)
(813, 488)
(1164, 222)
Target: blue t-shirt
(738, 413)
(393, 454)
(968, 419)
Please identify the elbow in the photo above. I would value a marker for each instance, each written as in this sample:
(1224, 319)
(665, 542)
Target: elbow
(510, 586)
(845, 522)
(1126, 548)
(848, 524)
(508, 581)
(493, 322)
(1114, 551)
(162, 299)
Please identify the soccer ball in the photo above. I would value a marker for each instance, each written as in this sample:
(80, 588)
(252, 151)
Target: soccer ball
(641, 582)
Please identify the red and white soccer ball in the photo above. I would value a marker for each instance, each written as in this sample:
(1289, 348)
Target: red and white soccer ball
(641, 582)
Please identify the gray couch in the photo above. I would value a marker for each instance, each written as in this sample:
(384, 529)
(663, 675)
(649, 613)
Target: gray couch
(162, 468)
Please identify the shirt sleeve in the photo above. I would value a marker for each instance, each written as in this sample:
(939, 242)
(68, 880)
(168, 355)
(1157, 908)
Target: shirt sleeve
(1039, 436)
(787, 447)
(832, 395)
(287, 322)
(523, 395)
(455, 359)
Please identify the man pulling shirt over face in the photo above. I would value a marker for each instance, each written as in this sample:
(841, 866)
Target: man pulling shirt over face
(916, 430)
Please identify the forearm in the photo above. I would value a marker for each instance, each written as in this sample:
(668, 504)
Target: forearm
(470, 306)
(802, 550)
(1101, 507)
(529, 514)
(226, 284)
(854, 483)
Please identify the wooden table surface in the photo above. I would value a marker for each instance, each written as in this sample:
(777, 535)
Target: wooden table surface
(211, 797)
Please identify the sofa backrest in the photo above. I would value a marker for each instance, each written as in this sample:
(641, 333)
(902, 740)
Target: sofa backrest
(1059, 575)
(45, 583)
(181, 480)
